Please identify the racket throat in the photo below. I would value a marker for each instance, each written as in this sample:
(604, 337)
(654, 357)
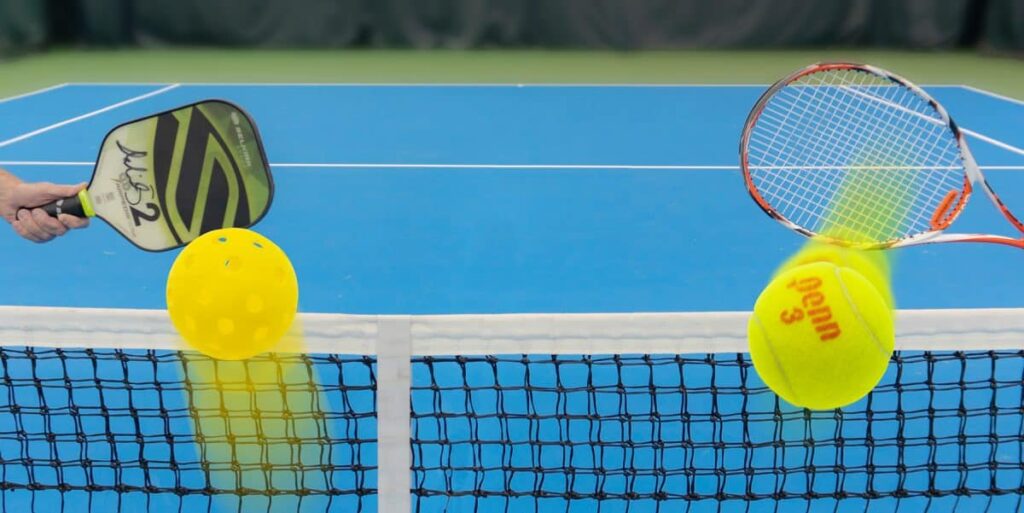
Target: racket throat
(949, 208)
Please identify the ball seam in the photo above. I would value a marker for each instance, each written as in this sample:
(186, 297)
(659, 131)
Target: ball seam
(857, 314)
(775, 359)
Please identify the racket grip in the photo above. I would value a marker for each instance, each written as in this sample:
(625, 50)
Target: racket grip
(71, 206)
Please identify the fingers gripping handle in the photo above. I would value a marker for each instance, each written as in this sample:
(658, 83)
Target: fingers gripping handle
(77, 206)
(71, 206)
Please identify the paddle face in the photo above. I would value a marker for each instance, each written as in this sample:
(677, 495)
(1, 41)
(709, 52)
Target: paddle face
(164, 180)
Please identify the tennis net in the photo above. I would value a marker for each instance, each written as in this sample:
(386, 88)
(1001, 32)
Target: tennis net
(100, 411)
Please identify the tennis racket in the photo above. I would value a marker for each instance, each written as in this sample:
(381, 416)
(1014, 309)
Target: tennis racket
(854, 155)
(163, 180)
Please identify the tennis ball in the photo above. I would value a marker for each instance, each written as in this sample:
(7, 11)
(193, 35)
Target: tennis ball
(873, 265)
(232, 294)
(821, 335)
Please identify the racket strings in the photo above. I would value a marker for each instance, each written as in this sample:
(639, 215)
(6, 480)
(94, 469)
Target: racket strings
(817, 151)
(868, 157)
(853, 156)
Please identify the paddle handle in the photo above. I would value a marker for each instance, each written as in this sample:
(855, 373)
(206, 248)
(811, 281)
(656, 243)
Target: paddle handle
(71, 205)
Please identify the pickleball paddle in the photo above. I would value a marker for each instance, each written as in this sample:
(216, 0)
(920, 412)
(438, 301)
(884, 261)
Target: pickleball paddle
(164, 180)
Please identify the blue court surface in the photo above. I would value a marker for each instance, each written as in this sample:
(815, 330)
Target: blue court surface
(467, 199)
(494, 199)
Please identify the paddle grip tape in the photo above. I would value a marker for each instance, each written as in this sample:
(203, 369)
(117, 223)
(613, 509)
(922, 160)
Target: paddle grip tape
(71, 206)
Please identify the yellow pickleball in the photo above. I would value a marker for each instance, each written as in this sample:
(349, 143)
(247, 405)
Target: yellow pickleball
(232, 294)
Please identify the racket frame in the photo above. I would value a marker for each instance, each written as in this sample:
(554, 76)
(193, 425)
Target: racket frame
(973, 177)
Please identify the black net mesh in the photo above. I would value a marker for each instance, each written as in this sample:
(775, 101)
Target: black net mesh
(702, 433)
(135, 430)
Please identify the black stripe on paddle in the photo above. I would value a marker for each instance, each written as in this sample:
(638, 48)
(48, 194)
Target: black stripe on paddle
(200, 133)
(163, 154)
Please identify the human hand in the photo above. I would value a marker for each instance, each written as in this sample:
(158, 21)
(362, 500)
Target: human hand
(19, 202)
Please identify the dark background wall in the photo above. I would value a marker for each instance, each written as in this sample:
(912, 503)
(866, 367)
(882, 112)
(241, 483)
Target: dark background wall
(23, 24)
(619, 24)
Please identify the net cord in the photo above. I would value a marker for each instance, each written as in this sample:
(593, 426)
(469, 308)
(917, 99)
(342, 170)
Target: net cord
(597, 333)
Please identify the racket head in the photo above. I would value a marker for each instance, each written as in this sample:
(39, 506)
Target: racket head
(164, 180)
(857, 156)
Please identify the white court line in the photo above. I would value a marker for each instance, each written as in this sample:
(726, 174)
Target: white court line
(45, 163)
(966, 131)
(995, 142)
(929, 119)
(413, 84)
(376, 165)
(33, 93)
(443, 84)
(87, 115)
(640, 167)
(505, 166)
(993, 95)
